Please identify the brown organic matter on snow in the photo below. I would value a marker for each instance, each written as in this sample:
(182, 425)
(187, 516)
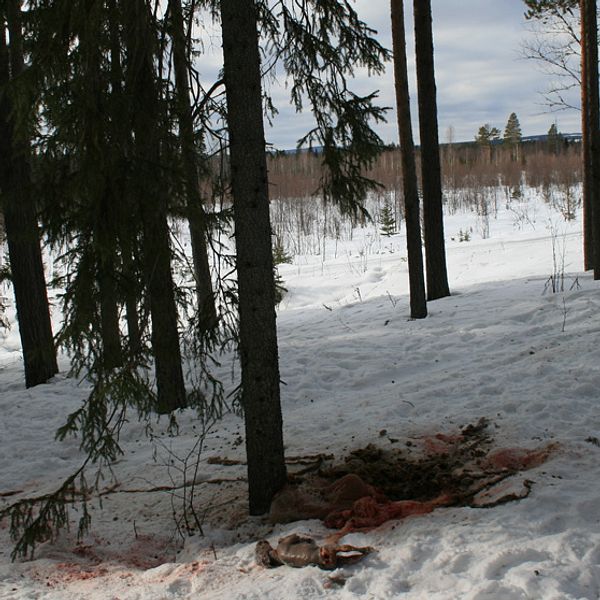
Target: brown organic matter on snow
(300, 551)
(319, 498)
(368, 512)
(374, 484)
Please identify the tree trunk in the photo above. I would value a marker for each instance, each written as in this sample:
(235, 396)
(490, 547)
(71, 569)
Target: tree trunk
(195, 210)
(142, 91)
(94, 161)
(588, 244)
(105, 241)
(590, 85)
(127, 230)
(130, 291)
(431, 178)
(39, 353)
(249, 182)
(418, 305)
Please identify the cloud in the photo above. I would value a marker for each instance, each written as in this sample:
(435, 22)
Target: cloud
(480, 75)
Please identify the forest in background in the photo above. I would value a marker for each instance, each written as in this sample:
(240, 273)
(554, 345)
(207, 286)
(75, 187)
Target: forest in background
(466, 165)
(474, 178)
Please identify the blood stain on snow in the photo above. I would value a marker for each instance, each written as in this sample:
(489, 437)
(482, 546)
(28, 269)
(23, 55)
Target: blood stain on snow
(103, 559)
(519, 459)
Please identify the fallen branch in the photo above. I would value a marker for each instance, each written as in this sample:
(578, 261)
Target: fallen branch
(172, 488)
(224, 461)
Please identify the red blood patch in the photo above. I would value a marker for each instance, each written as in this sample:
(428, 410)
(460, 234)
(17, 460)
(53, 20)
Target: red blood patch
(518, 459)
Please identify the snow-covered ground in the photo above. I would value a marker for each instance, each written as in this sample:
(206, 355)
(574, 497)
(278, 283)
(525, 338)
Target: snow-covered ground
(502, 347)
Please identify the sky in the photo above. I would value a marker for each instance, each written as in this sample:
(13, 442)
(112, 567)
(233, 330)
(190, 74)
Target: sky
(480, 73)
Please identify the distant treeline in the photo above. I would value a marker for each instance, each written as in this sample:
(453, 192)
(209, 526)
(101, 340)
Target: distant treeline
(537, 161)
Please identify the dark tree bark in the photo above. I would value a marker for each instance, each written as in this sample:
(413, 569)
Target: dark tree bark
(195, 210)
(130, 289)
(418, 305)
(591, 145)
(21, 225)
(588, 246)
(127, 231)
(96, 162)
(107, 285)
(431, 178)
(249, 181)
(143, 96)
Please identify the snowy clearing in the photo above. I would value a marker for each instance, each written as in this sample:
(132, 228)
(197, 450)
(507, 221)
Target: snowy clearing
(501, 347)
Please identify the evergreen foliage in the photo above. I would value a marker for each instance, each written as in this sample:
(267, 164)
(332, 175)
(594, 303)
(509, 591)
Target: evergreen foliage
(39, 519)
(321, 43)
(117, 149)
(540, 9)
(387, 219)
(464, 236)
(512, 131)
(81, 171)
(280, 257)
(554, 139)
(280, 289)
(88, 184)
(487, 134)
(192, 170)
(512, 136)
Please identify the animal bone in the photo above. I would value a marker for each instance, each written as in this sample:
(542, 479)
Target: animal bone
(300, 551)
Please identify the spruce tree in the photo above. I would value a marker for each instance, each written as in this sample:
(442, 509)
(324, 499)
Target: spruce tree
(77, 169)
(512, 131)
(142, 88)
(485, 138)
(207, 319)
(512, 135)
(250, 191)
(96, 186)
(18, 204)
(128, 230)
(320, 44)
(487, 134)
(554, 139)
(92, 175)
(387, 220)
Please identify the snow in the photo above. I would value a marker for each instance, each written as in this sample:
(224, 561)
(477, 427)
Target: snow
(502, 347)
